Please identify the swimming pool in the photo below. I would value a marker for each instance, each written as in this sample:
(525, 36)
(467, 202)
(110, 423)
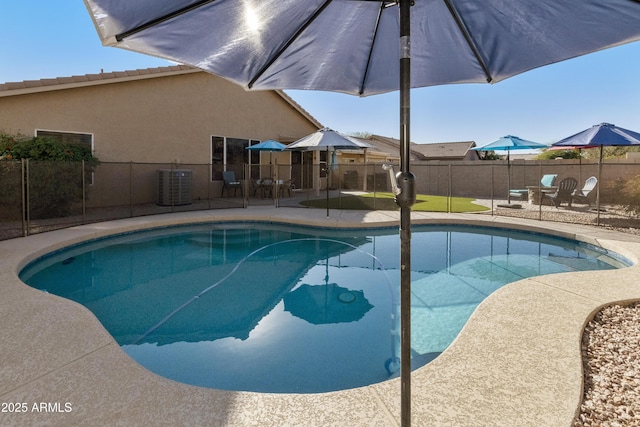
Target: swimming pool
(265, 307)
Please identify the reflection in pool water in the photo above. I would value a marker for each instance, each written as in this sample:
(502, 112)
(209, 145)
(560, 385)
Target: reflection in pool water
(273, 308)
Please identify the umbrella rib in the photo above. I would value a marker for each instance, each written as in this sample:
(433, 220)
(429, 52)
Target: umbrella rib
(383, 6)
(465, 32)
(167, 17)
(289, 42)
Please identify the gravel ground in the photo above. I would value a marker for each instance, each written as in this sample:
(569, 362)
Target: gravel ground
(611, 217)
(611, 355)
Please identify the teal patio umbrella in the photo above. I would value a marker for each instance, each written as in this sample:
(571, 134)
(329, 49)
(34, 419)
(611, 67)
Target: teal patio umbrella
(269, 145)
(509, 143)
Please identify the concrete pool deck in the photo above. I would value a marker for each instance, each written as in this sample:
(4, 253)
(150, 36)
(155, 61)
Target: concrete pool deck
(517, 362)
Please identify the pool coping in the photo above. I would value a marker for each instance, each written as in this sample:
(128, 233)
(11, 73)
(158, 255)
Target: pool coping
(517, 362)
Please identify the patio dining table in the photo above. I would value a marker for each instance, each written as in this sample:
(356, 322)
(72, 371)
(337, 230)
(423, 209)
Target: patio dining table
(267, 187)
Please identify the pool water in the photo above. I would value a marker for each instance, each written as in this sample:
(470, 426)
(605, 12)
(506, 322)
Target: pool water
(273, 308)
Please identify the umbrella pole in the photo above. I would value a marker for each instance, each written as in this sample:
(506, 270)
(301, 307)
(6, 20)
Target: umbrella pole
(326, 173)
(598, 189)
(508, 177)
(405, 199)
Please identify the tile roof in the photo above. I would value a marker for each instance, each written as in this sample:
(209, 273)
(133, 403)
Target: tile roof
(29, 86)
(433, 151)
(442, 150)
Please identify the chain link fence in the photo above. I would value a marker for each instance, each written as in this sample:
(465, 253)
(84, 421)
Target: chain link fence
(40, 196)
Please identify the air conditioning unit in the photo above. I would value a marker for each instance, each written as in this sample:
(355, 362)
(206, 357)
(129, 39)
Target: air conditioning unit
(174, 187)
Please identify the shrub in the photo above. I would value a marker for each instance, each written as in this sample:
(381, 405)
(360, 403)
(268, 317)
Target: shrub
(625, 193)
(559, 154)
(54, 174)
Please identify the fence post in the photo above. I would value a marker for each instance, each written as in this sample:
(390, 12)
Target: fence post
(449, 190)
(84, 192)
(246, 171)
(209, 178)
(276, 186)
(540, 191)
(492, 183)
(23, 200)
(28, 197)
(130, 189)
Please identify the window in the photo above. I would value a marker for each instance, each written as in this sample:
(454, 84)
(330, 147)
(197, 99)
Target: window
(68, 137)
(323, 164)
(231, 154)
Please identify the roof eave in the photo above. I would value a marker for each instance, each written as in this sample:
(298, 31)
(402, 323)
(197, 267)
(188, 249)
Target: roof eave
(64, 83)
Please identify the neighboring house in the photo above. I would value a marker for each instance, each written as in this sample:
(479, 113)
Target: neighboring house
(174, 114)
(446, 151)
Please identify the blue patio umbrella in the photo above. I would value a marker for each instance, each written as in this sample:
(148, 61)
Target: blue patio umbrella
(365, 48)
(510, 143)
(600, 136)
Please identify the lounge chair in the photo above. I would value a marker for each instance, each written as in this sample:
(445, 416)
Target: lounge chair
(581, 196)
(564, 192)
(546, 182)
(230, 181)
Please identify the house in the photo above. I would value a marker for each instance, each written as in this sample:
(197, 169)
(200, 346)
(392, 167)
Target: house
(445, 151)
(171, 115)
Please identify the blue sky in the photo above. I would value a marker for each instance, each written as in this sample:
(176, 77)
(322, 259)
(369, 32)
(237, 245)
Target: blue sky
(44, 38)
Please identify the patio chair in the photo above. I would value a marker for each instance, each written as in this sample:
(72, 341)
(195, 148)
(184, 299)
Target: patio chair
(564, 192)
(581, 196)
(230, 181)
(266, 188)
(285, 187)
(546, 182)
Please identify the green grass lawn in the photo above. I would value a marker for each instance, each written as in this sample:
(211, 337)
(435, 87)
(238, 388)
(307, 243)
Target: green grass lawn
(385, 201)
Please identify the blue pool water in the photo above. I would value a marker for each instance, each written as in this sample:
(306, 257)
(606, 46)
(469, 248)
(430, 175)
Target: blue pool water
(274, 308)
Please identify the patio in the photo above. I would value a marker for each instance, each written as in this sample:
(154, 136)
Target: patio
(517, 362)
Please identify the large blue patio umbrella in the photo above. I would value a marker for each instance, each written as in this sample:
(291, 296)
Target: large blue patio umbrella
(600, 136)
(366, 47)
(510, 143)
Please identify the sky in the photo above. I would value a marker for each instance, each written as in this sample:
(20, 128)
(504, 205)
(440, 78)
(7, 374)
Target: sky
(45, 39)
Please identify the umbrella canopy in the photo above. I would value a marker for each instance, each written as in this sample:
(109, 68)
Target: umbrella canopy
(602, 135)
(329, 303)
(268, 145)
(509, 143)
(347, 46)
(351, 46)
(327, 139)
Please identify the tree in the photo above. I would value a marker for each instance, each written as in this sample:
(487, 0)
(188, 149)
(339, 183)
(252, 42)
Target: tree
(559, 154)
(361, 135)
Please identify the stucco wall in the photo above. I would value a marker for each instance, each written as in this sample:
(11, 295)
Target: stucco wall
(161, 119)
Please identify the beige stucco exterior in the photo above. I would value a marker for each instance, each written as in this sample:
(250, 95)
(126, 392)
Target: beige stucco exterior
(157, 116)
